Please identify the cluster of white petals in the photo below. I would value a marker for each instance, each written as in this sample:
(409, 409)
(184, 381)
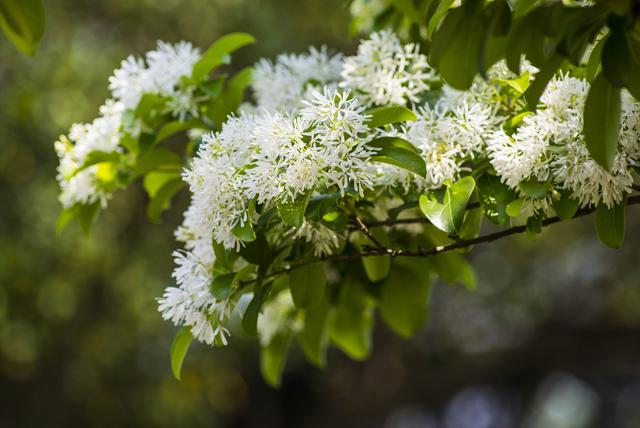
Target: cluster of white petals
(160, 73)
(284, 83)
(103, 135)
(385, 71)
(262, 158)
(549, 147)
(308, 136)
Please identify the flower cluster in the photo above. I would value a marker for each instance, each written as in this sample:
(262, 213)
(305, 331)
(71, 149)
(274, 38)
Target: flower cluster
(309, 142)
(549, 147)
(284, 83)
(387, 72)
(160, 74)
(103, 135)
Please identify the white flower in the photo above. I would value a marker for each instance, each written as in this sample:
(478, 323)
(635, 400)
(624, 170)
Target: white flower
(386, 72)
(159, 73)
(549, 146)
(101, 135)
(283, 84)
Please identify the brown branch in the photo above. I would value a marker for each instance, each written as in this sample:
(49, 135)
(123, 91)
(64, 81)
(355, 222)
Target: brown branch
(464, 243)
(365, 230)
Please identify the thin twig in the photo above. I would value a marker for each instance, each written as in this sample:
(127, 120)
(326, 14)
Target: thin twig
(464, 243)
(365, 230)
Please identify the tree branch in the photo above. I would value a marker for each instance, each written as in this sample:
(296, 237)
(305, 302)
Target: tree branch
(464, 243)
(365, 230)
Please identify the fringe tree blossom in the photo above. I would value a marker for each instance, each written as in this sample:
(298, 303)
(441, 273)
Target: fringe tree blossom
(101, 135)
(284, 83)
(159, 73)
(549, 147)
(385, 71)
(309, 137)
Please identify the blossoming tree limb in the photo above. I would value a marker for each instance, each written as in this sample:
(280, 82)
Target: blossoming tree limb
(344, 184)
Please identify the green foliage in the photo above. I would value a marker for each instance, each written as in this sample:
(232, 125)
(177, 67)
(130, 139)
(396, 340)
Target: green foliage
(494, 198)
(446, 209)
(250, 317)
(179, 349)
(273, 358)
(610, 224)
(399, 152)
(566, 207)
(293, 212)
(467, 38)
(218, 54)
(602, 121)
(223, 286)
(351, 321)
(308, 284)
(404, 297)
(23, 22)
(387, 115)
(314, 337)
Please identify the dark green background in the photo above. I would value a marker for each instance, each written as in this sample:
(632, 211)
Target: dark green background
(551, 338)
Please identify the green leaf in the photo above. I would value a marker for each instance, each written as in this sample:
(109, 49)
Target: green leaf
(514, 208)
(593, 65)
(602, 121)
(158, 158)
(471, 224)
(250, 317)
(566, 207)
(64, 218)
(616, 56)
(292, 212)
(257, 251)
(351, 321)
(94, 158)
(219, 108)
(454, 269)
(171, 128)
(457, 44)
(150, 106)
(398, 152)
(436, 18)
(448, 214)
(307, 284)
(376, 267)
(161, 201)
(610, 224)
(244, 231)
(222, 286)
(537, 87)
(314, 337)
(534, 189)
(387, 115)
(155, 180)
(86, 215)
(494, 198)
(218, 54)
(23, 22)
(273, 358)
(179, 349)
(404, 297)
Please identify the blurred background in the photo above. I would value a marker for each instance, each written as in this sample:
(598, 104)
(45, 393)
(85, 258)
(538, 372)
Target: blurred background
(550, 338)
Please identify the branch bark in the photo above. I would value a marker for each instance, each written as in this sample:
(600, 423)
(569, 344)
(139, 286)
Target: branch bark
(464, 243)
